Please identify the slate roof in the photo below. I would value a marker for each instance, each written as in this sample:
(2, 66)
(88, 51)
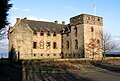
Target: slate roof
(44, 26)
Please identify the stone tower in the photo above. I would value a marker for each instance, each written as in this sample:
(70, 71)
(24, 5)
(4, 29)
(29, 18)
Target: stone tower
(86, 36)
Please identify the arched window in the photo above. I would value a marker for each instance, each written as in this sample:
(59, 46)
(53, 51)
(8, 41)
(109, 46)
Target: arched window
(67, 44)
(41, 33)
(48, 33)
(76, 44)
(54, 34)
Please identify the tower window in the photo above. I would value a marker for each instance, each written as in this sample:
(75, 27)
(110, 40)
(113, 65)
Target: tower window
(75, 31)
(48, 33)
(76, 44)
(67, 44)
(98, 19)
(41, 33)
(34, 44)
(54, 45)
(92, 30)
(54, 34)
(48, 45)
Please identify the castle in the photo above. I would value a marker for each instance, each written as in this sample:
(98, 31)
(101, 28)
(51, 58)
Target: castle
(81, 38)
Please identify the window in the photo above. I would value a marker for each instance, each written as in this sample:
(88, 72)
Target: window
(73, 55)
(34, 44)
(41, 54)
(42, 45)
(67, 44)
(62, 46)
(47, 54)
(48, 33)
(92, 30)
(34, 55)
(88, 18)
(62, 40)
(41, 33)
(98, 19)
(98, 41)
(75, 31)
(48, 45)
(54, 45)
(69, 55)
(76, 44)
(54, 54)
(54, 34)
(35, 32)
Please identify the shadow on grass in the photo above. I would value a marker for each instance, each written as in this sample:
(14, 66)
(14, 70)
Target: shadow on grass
(10, 71)
(107, 66)
(35, 72)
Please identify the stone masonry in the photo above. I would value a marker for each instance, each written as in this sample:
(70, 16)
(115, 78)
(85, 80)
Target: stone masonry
(30, 39)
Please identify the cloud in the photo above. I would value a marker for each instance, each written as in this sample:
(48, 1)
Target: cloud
(25, 10)
(21, 9)
(13, 19)
(15, 8)
(36, 18)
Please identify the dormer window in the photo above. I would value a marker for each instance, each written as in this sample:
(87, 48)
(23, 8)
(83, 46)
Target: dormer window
(48, 33)
(54, 34)
(41, 33)
(35, 32)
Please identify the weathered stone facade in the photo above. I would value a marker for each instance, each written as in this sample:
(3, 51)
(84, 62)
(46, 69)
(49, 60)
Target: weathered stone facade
(29, 39)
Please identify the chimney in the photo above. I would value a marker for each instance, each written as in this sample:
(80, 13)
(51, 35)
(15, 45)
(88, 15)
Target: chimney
(63, 22)
(17, 19)
(25, 18)
(56, 22)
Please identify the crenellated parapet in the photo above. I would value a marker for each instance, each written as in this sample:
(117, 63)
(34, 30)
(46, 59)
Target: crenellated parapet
(86, 19)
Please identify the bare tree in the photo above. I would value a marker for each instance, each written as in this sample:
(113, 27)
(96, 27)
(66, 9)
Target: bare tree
(93, 47)
(108, 43)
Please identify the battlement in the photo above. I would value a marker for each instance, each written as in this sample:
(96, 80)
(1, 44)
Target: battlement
(86, 19)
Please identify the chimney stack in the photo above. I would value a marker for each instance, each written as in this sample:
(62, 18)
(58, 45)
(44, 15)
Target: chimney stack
(17, 19)
(25, 18)
(56, 22)
(63, 22)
